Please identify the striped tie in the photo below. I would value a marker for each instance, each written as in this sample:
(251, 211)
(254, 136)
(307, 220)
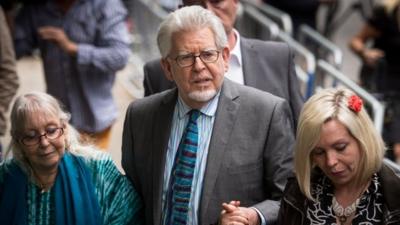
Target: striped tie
(182, 174)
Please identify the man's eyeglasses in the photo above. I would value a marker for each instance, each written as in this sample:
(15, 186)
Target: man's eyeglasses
(50, 134)
(208, 56)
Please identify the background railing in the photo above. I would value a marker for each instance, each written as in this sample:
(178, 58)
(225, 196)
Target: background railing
(378, 109)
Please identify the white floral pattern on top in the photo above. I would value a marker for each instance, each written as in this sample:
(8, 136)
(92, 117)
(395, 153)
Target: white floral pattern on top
(369, 211)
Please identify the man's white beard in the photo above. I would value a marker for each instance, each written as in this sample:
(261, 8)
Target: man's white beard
(202, 96)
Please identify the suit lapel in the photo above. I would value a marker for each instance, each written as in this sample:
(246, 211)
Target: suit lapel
(251, 69)
(225, 119)
(161, 133)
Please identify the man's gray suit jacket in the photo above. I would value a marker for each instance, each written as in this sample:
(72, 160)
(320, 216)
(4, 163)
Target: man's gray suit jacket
(267, 66)
(249, 156)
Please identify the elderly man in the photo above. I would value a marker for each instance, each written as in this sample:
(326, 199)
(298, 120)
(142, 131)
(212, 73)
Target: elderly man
(210, 140)
(267, 66)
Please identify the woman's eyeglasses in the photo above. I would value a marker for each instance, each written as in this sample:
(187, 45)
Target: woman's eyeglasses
(50, 134)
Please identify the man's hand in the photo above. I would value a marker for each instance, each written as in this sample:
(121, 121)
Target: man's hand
(59, 37)
(233, 214)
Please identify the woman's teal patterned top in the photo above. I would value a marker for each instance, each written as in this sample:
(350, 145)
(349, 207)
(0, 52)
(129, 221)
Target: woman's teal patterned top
(119, 202)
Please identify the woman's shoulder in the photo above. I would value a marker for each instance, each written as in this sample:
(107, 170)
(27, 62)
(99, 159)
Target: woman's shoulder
(96, 160)
(5, 168)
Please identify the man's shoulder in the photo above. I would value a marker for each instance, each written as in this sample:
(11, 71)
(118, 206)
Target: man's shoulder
(153, 63)
(154, 101)
(261, 44)
(251, 94)
(154, 68)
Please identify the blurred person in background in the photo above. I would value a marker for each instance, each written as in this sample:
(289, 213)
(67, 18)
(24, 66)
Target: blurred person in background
(300, 11)
(52, 178)
(83, 43)
(381, 69)
(341, 177)
(8, 75)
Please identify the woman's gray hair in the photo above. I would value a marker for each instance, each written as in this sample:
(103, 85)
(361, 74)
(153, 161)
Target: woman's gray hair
(187, 19)
(45, 105)
(326, 105)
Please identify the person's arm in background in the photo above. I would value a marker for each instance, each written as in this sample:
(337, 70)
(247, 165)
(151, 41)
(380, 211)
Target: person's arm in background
(8, 76)
(358, 45)
(111, 50)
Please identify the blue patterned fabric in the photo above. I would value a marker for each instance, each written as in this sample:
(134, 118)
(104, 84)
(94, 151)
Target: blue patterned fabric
(182, 174)
(88, 190)
(75, 199)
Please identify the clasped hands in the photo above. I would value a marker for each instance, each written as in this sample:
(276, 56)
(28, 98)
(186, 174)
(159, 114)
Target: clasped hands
(233, 214)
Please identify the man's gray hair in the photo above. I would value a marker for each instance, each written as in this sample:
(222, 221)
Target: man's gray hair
(189, 18)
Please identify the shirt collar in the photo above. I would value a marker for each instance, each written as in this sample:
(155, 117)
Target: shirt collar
(209, 109)
(236, 52)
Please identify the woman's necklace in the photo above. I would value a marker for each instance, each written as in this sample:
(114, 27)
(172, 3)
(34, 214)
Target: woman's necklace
(344, 212)
(45, 187)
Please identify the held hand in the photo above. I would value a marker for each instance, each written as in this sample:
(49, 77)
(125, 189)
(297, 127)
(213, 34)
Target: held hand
(233, 214)
(59, 37)
(371, 56)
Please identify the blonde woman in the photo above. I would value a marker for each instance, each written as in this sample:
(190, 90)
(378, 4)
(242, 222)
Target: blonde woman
(340, 177)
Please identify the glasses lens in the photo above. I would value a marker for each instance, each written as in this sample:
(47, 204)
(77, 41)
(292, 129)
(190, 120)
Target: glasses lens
(29, 140)
(185, 60)
(209, 56)
(53, 133)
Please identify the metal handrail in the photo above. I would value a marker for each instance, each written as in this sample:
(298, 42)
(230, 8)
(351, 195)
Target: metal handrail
(270, 26)
(308, 57)
(307, 33)
(281, 18)
(378, 109)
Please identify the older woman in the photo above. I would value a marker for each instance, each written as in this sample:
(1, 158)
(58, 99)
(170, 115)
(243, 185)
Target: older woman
(52, 179)
(338, 162)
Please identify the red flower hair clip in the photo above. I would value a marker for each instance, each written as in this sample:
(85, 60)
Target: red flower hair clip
(355, 103)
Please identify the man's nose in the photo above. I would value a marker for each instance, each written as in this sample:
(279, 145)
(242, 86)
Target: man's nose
(198, 63)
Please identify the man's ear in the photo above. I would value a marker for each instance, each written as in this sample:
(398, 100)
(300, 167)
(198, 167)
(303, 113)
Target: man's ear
(167, 67)
(226, 56)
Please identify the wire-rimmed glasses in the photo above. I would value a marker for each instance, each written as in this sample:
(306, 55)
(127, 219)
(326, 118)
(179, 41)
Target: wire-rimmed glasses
(208, 56)
(50, 134)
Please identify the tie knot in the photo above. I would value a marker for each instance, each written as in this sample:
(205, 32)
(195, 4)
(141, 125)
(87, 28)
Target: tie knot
(194, 114)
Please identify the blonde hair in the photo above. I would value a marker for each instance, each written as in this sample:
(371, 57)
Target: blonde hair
(331, 104)
(45, 105)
